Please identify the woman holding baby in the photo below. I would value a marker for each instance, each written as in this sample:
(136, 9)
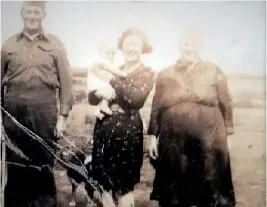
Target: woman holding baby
(118, 133)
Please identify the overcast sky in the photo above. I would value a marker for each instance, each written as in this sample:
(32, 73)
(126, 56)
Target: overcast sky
(234, 32)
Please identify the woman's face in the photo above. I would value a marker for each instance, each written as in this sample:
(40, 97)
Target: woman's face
(190, 47)
(132, 47)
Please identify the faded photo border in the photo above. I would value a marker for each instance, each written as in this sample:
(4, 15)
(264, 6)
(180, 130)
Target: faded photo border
(250, 106)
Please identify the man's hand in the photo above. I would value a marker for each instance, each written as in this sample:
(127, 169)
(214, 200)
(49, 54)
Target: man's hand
(153, 147)
(60, 128)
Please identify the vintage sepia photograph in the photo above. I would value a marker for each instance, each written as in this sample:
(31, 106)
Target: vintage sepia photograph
(133, 104)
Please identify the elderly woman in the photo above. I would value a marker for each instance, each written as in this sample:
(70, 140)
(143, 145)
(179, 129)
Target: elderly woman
(118, 138)
(190, 120)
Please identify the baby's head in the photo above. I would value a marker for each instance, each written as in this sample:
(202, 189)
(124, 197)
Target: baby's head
(108, 50)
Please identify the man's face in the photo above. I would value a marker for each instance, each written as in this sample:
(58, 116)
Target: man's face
(32, 17)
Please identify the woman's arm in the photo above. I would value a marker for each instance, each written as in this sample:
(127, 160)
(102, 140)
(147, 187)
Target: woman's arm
(225, 101)
(154, 122)
(167, 94)
(95, 86)
(134, 90)
(153, 128)
(96, 96)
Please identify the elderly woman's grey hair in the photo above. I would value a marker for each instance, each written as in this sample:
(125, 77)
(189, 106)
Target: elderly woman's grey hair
(191, 33)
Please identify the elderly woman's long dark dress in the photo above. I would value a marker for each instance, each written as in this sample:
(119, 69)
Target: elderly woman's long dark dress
(191, 114)
(118, 139)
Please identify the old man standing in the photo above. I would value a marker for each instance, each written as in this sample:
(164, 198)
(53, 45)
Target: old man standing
(34, 64)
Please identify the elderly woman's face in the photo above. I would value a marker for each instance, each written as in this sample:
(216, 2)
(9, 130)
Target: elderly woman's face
(190, 47)
(132, 47)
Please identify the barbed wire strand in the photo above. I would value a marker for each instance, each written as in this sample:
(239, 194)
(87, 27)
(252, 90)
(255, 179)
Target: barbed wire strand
(62, 161)
(79, 169)
(36, 137)
(12, 147)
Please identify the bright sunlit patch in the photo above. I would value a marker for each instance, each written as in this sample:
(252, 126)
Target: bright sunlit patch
(228, 56)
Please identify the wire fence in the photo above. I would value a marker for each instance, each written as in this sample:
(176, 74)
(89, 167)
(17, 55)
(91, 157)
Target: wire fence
(7, 142)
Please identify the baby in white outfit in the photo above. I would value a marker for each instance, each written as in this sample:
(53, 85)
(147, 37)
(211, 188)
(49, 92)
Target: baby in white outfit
(101, 73)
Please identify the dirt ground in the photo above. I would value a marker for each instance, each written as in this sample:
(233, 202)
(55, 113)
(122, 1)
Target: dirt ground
(247, 150)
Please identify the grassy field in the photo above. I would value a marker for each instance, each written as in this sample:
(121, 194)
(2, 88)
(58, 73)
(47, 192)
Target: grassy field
(247, 144)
